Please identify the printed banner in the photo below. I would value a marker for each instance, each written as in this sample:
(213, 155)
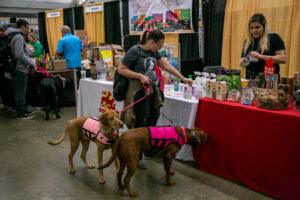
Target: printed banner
(90, 9)
(166, 15)
(53, 14)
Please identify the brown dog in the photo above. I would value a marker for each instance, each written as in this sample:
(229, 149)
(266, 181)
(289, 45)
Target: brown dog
(109, 125)
(134, 141)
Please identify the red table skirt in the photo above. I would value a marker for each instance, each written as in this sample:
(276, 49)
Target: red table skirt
(256, 147)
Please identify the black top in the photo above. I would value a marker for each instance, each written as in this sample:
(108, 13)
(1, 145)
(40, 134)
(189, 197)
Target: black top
(141, 61)
(275, 43)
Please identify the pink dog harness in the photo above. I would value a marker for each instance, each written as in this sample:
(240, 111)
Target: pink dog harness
(91, 130)
(161, 137)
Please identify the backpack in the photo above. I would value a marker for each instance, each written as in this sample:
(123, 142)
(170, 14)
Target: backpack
(120, 85)
(11, 60)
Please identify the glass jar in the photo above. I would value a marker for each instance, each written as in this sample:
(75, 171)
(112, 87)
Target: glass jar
(296, 91)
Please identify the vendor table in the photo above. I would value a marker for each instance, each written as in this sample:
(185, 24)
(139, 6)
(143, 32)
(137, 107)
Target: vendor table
(90, 94)
(256, 147)
(181, 111)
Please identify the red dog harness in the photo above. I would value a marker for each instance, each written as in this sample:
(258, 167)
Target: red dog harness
(161, 137)
(91, 129)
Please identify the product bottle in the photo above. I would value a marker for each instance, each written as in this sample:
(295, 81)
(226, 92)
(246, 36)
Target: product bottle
(176, 84)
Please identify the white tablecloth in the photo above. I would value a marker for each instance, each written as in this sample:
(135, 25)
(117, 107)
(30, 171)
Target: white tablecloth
(89, 97)
(181, 111)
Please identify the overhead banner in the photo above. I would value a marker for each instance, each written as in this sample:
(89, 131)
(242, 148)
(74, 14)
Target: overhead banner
(166, 15)
(53, 14)
(98, 8)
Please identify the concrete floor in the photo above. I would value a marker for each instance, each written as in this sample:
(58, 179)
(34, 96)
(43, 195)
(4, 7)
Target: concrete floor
(31, 169)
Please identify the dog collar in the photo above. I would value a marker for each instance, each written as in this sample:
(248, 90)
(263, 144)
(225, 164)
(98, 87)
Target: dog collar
(184, 134)
(194, 141)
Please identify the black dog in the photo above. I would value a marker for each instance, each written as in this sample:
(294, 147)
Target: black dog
(51, 91)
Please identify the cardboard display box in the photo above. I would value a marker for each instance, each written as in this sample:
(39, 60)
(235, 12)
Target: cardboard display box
(58, 65)
(81, 34)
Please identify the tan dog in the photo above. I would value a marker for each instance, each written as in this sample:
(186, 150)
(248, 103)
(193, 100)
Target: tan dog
(109, 125)
(134, 141)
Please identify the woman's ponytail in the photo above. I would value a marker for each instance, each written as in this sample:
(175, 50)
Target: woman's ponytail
(144, 38)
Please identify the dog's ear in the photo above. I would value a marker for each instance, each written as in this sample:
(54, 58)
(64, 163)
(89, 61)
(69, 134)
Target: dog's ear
(103, 118)
(203, 137)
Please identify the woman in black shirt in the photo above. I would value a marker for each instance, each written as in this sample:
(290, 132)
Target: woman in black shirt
(139, 66)
(260, 46)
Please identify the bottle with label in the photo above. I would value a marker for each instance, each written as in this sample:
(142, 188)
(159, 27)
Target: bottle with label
(176, 84)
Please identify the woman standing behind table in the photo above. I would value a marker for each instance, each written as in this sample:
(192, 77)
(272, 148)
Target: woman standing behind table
(260, 46)
(37, 46)
(139, 66)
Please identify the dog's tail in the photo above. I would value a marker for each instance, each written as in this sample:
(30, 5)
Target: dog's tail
(114, 154)
(60, 139)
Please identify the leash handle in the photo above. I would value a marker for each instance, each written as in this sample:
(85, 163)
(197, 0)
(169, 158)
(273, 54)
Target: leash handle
(148, 91)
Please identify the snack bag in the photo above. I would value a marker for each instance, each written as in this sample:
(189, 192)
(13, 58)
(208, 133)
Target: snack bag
(107, 58)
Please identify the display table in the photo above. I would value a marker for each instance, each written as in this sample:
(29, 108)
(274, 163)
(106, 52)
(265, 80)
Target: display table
(181, 111)
(256, 147)
(90, 94)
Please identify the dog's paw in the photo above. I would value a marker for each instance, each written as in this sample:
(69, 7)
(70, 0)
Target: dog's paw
(57, 116)
(47, 118)
(72, 171)
(133, 194)
(172, 172)
(171, 183)
(101, 181)
(91, 166)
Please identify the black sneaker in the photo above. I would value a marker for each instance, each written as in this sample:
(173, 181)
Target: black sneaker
(26, 116)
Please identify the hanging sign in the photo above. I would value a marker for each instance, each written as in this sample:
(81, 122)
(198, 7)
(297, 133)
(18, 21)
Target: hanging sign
(98, 8)
(166, 15)
(53, 14)
(268, 68)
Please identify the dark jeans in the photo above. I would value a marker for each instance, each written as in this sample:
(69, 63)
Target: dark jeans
(20, 86)
(145, 113)
(6, 90)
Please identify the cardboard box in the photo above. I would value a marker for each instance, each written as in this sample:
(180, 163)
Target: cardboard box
(93, 44)
(81, 34)
(58, 65)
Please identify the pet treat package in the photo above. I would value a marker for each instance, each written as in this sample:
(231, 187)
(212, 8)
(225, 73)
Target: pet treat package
(221, 90)
(107, 58)
(296, 91)
(247, 96)
(273, 100)
(209, 89)
(234, 95)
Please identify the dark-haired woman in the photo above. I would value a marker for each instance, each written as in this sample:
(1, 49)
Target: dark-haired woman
(260, 46)
(139, 66)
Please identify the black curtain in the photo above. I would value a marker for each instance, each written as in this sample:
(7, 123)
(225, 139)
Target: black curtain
(68, 18)
(129, 41)
(195, 14)
(189, 54)
(42, 31)
(213, 19)
(112, 22)
(125, 13)
(78, 18)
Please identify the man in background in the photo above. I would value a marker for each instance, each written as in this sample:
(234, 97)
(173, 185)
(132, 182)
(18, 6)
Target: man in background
(69, 47)
(23, 62)
(6, 83)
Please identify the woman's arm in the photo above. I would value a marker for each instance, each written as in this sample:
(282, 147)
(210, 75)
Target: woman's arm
(163, 64)
(125, 71)
(279, 57)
